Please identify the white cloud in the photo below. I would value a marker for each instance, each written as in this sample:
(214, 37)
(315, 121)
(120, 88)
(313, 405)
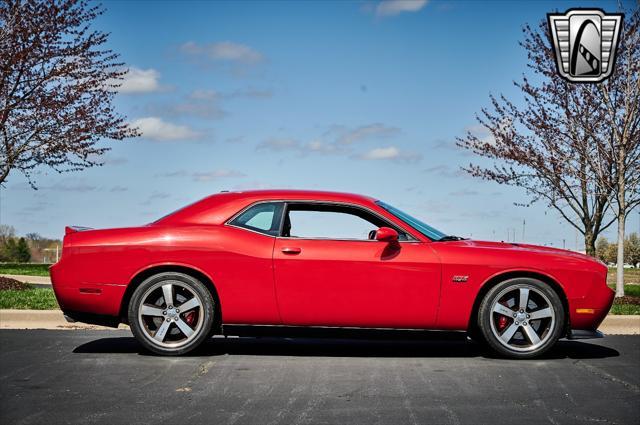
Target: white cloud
(314, 146)
(337, 140)
(216, 175)
(179, 173)
(341, 140)
(276, 144)
(235, 139)
(442, 170)
(115, 160)
(226, 51)
(155, 196)
(197, 108)
(203, 176)
(464, 192)
(347, 136)
(206, 103)
(318, 146)
(155, 128)
(389, 153)
(382, 153)
(71, 187)
(140, 81)
(251, 92)
(204, 95)
(396, 7)
(484, 135)
(107, 159)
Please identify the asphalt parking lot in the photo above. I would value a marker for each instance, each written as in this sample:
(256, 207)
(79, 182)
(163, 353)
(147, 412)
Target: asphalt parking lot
(83, 376)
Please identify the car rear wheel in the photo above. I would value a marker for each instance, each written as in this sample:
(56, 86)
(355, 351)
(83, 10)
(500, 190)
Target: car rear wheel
(171, 313)
(521, 318)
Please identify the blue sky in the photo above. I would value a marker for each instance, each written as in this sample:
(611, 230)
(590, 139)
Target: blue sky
(364, 97)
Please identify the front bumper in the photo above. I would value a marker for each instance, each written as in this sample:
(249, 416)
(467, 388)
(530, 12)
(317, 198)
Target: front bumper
(584, 334)
(589, 312)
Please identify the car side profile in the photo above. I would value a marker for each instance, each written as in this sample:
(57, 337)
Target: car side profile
(322, 259)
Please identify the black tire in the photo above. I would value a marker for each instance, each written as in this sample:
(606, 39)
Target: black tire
(145, 326)
(475, 334)
(497, 327)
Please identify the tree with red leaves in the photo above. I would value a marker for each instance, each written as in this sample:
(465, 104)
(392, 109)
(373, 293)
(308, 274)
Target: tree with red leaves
(57, 83)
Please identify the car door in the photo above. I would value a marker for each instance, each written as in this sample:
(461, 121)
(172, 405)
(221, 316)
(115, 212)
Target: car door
(329, 273)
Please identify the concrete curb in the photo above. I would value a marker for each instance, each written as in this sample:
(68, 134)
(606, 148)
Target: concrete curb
(621, 325)
(53, 319)
(42, 319)
(44, 281)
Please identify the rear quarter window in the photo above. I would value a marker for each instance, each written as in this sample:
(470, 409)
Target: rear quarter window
(262, 218)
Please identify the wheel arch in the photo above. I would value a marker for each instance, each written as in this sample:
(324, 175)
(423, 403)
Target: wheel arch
(142, 275)
(501, 277)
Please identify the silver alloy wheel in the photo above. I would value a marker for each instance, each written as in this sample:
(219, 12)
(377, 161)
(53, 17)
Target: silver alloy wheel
(170, 314)
(522, 318)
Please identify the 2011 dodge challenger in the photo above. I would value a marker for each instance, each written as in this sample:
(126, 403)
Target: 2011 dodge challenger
(322, 259)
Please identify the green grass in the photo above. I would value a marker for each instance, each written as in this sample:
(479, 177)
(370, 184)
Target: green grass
(620, 308)
(30, 299)
(624, 309)
(25, 269)
(630, 290)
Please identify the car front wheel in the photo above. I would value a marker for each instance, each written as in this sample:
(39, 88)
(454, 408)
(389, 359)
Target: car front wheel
(521, 318)
(171, 313)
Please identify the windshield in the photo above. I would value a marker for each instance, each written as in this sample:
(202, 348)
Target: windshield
(424, 228)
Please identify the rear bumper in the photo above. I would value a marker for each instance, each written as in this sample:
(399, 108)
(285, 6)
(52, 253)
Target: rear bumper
(81, 295)
(91, 318)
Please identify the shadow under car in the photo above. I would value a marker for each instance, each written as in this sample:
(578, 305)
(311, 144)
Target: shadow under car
(326, 342)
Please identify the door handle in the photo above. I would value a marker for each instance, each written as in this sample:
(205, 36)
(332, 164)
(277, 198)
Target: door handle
(291, 250)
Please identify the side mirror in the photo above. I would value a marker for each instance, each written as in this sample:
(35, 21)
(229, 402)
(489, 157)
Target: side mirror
(386, 234)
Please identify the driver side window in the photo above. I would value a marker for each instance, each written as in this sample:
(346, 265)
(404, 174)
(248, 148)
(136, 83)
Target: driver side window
(323, 221)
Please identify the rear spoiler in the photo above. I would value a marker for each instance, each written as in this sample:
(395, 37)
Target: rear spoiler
(73, 229)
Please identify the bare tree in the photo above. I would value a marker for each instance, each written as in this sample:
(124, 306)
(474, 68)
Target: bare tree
(557, 144)
(57, 84)
(621, 142)
(6, 232)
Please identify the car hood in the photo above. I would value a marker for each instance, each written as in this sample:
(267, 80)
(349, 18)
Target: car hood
(513, 246)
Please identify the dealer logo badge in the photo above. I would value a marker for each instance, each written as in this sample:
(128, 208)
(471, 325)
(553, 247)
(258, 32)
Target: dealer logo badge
(585, 43)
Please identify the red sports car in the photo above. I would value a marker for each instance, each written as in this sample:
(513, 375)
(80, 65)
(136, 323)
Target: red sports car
(323, 259)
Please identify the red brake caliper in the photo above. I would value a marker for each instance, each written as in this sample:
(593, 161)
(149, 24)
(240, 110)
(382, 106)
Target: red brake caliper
(190, 317)
(502, 323)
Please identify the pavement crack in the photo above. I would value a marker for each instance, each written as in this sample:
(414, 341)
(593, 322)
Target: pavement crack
(607, 376)
(582, 418)
(203, 369)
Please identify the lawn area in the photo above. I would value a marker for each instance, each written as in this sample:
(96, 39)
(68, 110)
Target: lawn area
(29, 299)
(630, 290)
(630, 304)
(622, 309)
(28, 269)
(630, 276)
